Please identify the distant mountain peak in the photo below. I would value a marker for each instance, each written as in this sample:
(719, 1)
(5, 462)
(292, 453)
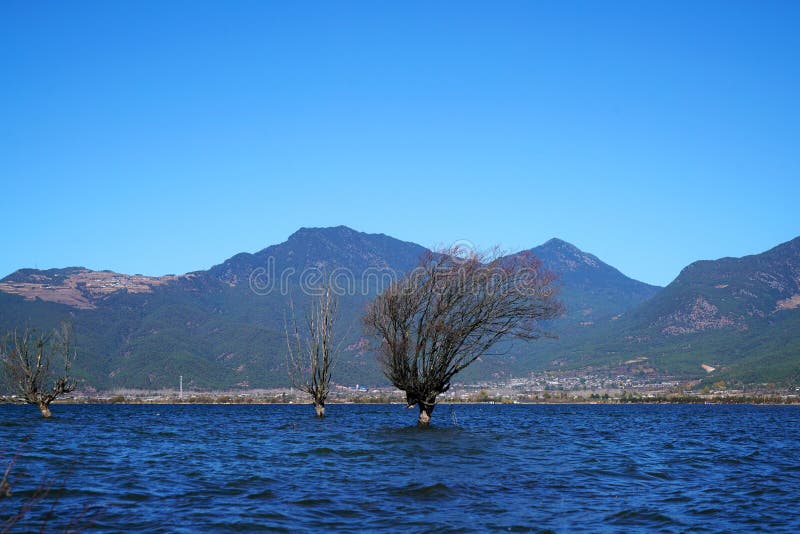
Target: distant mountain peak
(568, 255)
(556, 242)
(312, 231)
(323, 247)
(592, 290)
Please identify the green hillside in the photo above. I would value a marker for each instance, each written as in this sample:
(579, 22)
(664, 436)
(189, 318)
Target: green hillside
(738, 315)
(223, 328)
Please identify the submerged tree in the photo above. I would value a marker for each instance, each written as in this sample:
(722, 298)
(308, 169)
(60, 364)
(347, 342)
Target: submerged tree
(5, 488)
(451, 310)
(311, 356)
(26, 360)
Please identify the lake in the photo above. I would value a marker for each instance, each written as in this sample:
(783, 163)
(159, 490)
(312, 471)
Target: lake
(562, 468)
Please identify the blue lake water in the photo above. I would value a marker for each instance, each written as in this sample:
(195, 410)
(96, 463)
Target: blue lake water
(563, 468)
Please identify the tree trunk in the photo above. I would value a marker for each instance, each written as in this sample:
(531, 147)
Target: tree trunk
(425, 411)
(45, 409)
(320, 409)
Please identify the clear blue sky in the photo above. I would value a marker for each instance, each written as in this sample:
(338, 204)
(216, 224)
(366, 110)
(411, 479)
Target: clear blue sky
(164, 137)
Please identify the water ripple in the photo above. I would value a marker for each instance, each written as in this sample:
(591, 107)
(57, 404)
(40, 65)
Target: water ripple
(511, 468)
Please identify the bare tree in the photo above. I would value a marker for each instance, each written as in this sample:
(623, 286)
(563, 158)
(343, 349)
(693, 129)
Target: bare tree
(452, 309)
(26, 361)
(5, 488)
(311, 357)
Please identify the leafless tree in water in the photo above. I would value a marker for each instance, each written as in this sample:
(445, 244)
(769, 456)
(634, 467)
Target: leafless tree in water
(5, 487)
(451, 310)
(26, 361)
(311, 355)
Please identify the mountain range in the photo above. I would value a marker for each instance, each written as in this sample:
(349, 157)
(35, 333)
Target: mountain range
(224, 327)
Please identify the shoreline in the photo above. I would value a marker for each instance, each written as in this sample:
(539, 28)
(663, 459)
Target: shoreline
(469, 395)
(263, 402)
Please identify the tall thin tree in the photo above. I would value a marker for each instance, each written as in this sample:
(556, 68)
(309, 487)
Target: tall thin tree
(312, 355)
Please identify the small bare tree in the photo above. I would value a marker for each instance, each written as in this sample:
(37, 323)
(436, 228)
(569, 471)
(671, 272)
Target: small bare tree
(311, 357)
(26, 361)
(5, 488)
(452, 309)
